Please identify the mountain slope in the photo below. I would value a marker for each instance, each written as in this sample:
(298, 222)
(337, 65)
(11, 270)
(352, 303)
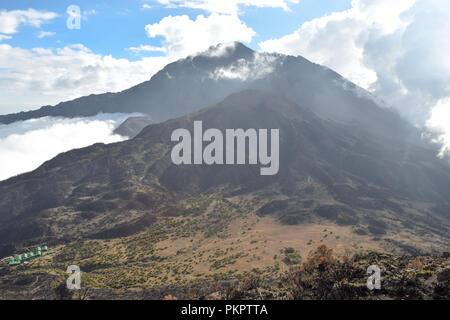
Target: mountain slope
(132, 126)
(329, 172)
(179, 88)
(198, 81)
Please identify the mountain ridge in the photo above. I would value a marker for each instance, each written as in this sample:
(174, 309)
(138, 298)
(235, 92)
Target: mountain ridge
(328, 172)
(97, 105)
(202, 80)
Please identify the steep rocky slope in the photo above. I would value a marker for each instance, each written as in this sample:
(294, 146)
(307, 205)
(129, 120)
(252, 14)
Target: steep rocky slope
(329, 172)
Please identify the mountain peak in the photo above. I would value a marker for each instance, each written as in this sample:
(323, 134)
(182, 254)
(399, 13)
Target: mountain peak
(233, 49)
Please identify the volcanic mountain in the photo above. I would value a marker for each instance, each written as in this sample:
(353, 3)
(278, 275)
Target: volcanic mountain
(331, 172)
(204, 79)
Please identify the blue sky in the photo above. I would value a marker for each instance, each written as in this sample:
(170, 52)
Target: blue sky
(110, 27)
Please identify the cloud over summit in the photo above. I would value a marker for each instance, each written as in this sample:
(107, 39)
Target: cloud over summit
(398, 50)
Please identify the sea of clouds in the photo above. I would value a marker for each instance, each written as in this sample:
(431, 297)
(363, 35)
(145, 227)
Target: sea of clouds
(25, 145)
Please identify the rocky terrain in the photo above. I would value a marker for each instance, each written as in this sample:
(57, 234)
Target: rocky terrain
(322, 275)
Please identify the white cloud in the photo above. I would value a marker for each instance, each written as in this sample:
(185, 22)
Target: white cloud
(224, 49)
(337, 40)
(184, 36)
(25, 145)
(261, 65)
(4, 37)
(146, 48)
(396, 49)
(39, 76)
(44, 34)
(226, 6)
(11, 20)
(87, 13)
(439, 122)
(146, 6)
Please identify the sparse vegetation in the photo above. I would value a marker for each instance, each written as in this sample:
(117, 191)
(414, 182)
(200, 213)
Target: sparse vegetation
(291, 256)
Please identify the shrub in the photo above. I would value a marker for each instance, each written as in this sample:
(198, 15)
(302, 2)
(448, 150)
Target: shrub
(249, 282)
(322, 276)
(291, 256)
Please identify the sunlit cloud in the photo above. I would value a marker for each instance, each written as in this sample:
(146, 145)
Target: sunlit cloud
(25, 145)
(11, 20)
